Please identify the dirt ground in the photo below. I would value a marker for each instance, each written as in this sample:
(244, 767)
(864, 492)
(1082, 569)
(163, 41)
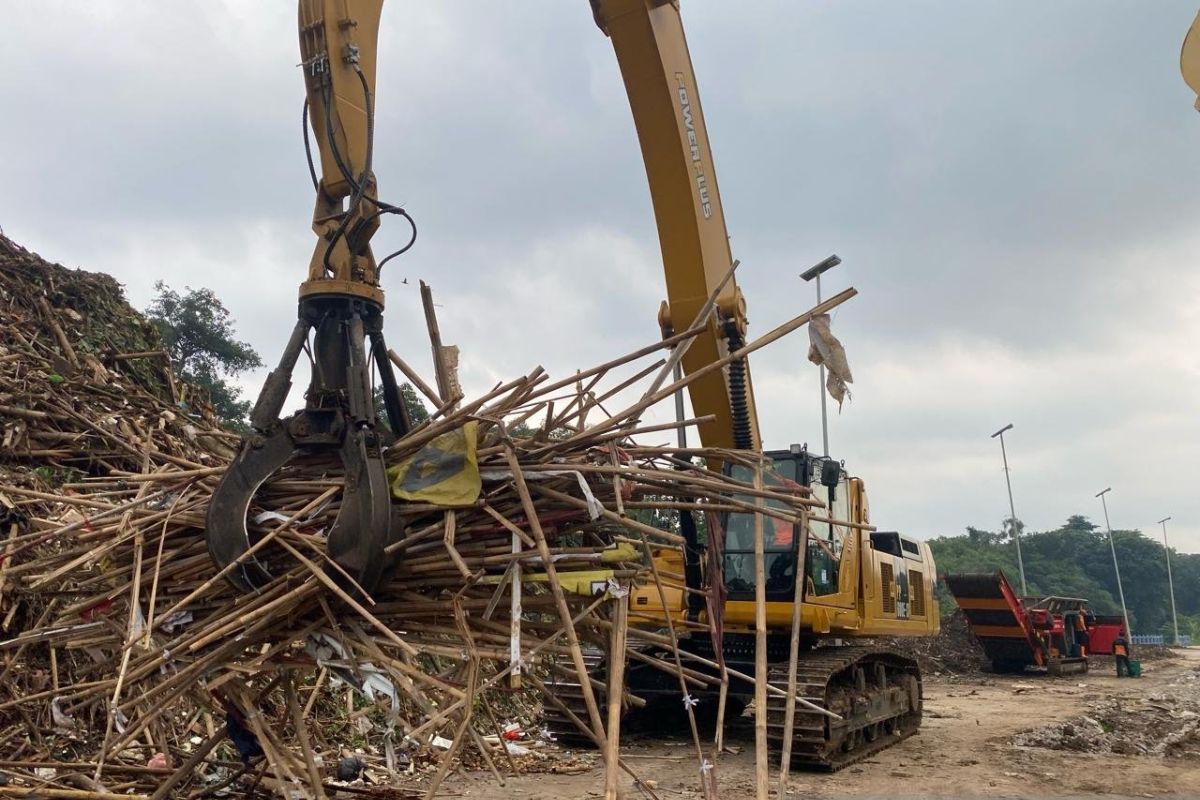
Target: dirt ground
(965, 749)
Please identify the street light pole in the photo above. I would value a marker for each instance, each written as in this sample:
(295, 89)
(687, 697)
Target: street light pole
(1116, 568)
(1170, 580)
(1011, 510)
(814, 273)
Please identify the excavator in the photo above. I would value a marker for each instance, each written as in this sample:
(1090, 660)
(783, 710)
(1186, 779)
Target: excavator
(857, 582)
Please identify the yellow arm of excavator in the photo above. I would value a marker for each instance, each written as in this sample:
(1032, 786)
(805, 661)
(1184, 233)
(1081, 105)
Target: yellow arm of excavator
(1189, 58)
(653, 56)
(338, 45)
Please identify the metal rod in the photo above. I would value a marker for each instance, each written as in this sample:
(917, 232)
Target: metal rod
(1170, 580)
(1116, 568)
(821, 389)
(814, 273)
(1011, 510)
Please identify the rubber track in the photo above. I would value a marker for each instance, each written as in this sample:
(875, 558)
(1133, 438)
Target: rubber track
(569, 691)
(814, 673)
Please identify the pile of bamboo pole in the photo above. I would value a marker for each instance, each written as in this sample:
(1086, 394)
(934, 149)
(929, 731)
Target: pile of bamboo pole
(132, 668)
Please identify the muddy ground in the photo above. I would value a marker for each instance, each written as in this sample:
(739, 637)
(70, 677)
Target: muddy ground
(983, 736)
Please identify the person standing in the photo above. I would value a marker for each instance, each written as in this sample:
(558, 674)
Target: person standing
(1082, 636)
(1122, 650)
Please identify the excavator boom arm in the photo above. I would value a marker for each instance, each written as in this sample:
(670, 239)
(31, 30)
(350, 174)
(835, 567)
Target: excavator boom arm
(652, 52)
(1189, 58)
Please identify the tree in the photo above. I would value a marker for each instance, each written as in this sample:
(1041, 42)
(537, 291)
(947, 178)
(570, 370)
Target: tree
(417, 413)
(1011, 528)
(1078, 522)
(197, 331)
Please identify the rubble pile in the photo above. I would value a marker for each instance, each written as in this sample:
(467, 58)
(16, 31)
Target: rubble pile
(954, 651)
(132, 667)
(1164, 724)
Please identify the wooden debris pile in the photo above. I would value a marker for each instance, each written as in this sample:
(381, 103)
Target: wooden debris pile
(85, 387)
(131, 667)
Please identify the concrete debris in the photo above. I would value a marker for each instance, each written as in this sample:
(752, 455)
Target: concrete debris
(1164, 725)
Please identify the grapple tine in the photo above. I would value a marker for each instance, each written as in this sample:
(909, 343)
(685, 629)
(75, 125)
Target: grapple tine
(362, 529)
(360, 533)
(228, 539)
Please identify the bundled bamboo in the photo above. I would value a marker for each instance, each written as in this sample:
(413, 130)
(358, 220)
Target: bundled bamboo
(132, 667)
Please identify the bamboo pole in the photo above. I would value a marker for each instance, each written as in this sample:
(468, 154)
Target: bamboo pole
(616, 691)
(514, 616)
(707, 776)
(414, 378)
(539, 537)
(761, 786)
(789, 722)
(310, 763)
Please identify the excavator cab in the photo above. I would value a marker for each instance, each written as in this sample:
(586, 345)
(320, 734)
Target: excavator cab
(794, 467)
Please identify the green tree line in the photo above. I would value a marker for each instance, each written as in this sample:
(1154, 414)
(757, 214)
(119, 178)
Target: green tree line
(1075, 560)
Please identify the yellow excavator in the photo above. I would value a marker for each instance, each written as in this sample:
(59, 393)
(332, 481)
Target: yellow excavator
(857, 582)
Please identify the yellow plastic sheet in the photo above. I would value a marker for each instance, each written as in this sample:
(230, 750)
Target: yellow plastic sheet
(588, 583)
(444, 472)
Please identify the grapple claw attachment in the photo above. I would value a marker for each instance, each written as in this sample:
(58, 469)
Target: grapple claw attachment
(361, 531)
(338, 420)
(228, 538)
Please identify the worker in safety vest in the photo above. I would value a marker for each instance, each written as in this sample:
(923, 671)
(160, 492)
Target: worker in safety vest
(1122, 650)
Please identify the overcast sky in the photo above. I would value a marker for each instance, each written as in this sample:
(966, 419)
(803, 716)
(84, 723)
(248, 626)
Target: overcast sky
(1012, 187)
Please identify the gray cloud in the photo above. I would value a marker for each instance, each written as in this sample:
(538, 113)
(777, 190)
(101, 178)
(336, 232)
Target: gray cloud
(1010, 185)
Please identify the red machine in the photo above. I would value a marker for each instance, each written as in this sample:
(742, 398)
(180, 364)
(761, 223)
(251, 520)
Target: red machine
(1102, 632)
(1054, 634)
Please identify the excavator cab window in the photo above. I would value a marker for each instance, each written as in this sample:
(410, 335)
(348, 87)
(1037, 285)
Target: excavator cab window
(781, 538)
(886, 542)
(827, 482)
(779, 543)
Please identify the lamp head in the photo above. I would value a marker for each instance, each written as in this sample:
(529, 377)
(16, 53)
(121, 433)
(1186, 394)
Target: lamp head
(824, 266)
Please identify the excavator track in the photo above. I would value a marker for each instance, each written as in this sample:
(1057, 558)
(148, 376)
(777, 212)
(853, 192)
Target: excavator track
(876, 691)
(569, 692)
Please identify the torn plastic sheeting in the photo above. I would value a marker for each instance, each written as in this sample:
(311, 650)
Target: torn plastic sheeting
(824, 349)
(275, 516)
(174, 621)
(64, 723)
(594, 506)
(329, 653)
(139, 624)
